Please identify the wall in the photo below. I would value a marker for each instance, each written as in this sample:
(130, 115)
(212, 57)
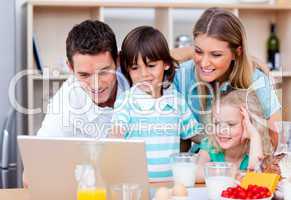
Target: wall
(7, 53)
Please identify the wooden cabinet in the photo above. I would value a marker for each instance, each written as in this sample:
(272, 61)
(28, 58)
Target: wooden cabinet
(50, 21)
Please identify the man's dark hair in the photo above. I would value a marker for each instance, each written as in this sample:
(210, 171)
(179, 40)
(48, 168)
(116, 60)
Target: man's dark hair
(91, 37)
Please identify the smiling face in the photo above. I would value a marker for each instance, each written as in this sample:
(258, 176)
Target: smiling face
(148, 76)
(212, 58)
(229, 129)
(97, 76)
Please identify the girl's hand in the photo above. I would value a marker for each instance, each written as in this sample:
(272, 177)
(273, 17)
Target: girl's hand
(256, 146)
(248, 128)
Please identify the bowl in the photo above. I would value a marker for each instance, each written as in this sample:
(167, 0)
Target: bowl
(268, 198)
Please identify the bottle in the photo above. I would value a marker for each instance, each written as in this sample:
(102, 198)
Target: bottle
(183, 41)
(91, 185)
(273, 48)
(87, 188)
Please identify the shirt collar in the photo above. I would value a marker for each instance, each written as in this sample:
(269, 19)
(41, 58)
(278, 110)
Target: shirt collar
(95, 110)
(225, 87)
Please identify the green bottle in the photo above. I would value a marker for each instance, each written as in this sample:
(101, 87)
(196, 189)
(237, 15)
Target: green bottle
(273, 47)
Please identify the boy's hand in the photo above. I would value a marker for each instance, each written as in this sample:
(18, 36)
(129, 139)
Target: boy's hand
(117, 132)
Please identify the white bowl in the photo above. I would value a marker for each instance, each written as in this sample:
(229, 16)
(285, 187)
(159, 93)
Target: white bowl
(269, 198)
(255, 1)
(177, 198)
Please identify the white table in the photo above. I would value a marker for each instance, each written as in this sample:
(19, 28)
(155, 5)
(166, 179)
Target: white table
(23, 194)
(198, 193)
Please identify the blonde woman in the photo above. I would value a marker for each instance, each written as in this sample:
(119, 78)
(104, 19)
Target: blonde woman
(221, 62)
(238, 134)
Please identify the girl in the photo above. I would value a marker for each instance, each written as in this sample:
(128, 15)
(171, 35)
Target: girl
(239, 134)
(221, 60)
(152, 110)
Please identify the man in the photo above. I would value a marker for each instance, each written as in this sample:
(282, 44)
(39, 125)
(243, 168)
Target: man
(83, 105)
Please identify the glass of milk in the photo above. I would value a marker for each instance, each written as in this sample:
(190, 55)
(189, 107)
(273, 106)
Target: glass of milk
(126, 191)
(184, 168)
(287, 189)
(284, 146)
(218, 177)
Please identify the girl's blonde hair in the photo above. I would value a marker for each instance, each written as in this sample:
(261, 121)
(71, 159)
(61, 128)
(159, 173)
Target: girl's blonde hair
(249, 99)
(225, 26)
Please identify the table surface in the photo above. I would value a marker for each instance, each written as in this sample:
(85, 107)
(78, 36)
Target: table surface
(23, 194)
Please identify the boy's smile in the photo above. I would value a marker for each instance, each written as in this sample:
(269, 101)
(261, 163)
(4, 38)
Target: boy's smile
(148, 77)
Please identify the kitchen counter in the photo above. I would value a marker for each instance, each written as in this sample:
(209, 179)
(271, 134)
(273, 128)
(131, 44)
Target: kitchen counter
(23, 194)
(14, 194)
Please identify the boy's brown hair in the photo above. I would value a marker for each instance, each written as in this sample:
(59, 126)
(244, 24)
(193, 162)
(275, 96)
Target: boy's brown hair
(150, 44)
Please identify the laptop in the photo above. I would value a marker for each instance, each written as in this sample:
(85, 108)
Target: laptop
(49, 164)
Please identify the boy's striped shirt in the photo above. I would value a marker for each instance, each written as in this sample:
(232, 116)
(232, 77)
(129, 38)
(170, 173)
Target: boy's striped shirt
(159, 122)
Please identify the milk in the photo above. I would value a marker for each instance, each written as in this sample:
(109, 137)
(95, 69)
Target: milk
(285, 165)
(184, 172)
(216, 184)
(287, 190)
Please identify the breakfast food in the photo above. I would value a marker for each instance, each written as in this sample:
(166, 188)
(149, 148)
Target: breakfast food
(251, 192)
(268, 180)
(179, 190)
(163, 193)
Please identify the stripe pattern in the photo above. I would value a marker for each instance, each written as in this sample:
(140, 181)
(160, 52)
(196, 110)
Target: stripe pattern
(160, 129)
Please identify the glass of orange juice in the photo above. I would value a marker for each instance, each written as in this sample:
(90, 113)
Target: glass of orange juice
(92, 194)
(87, 187)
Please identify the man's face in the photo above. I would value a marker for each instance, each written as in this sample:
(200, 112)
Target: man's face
(97, 75)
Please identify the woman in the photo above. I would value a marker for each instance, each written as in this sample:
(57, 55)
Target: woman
(221, 62)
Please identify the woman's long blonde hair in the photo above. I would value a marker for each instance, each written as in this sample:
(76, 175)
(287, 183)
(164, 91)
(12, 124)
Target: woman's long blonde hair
(249, 99)
(225, 26)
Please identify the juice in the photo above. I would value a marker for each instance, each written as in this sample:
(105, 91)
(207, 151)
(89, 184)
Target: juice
(216, 184)
(92, 194)
(184, 172)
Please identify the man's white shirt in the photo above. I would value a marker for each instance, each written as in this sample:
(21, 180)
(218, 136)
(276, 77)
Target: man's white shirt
(72, 113)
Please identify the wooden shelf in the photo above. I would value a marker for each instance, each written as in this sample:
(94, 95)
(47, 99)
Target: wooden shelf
(51, 20)
(278, 74)
(151, 4)
(61, 77)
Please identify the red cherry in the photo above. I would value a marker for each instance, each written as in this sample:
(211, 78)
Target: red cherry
(224, 194)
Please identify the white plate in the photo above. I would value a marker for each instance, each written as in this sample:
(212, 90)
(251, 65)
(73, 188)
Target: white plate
(255, 1)
(194, 193)
(269, 198)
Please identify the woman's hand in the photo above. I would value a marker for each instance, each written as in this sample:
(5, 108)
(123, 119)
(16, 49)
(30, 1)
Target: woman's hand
(182, 54)
(24, 181)
(270, 163)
